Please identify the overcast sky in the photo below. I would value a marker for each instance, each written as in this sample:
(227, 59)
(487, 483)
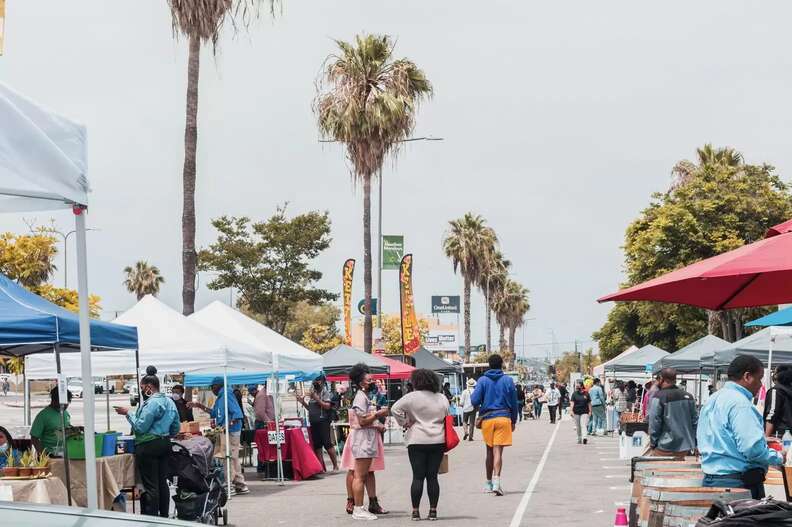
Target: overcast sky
(560, 119)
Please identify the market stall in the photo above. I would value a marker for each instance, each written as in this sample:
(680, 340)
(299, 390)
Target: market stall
(113, 474)
(296, 449)
(688, 358)
(640, 361)
(47, 491)
(339, 360)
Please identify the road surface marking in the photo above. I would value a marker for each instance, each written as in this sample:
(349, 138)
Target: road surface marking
(623, 487)
(614, 467)
(518, 514)
(616, 476)
(610, 459)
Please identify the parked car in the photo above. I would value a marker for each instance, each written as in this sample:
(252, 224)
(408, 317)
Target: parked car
(34, 515)
(75, 387)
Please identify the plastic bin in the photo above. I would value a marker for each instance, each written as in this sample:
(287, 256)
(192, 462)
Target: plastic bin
(75, 446)
(110, 443)
(129, 444)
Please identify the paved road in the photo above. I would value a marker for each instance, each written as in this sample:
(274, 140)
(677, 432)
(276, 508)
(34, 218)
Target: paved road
(577, 485)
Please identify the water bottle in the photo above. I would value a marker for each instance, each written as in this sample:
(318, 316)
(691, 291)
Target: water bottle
(786, 441)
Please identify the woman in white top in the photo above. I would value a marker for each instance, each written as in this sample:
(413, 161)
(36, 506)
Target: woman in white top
(468, 411)
(423, 412)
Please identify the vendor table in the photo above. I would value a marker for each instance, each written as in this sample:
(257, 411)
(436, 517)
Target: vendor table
(113, 473)
(296, 447)
(48, 491)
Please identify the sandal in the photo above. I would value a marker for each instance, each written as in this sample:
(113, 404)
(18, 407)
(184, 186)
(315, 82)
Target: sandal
(350, 506)
(375, 507)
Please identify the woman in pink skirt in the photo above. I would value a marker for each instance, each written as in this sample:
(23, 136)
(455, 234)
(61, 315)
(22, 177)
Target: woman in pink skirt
(363, 451)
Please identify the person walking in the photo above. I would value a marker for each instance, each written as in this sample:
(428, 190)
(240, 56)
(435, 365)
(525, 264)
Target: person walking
(778, 405)
(320, 416)
(618, 397)
(6, 386)
(520, 401)
(496, 399)
(154, 423)
(363, 451)
(232, 420)
(598, 400)
(553, 398)
(581, 405)
(468, 411)
(650, 389)
(564, 403)
(730, 435)
(538, 401)
(672, 419)
(423, 413)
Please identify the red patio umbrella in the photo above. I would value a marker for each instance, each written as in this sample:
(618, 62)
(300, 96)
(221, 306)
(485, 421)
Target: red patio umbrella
(757, 274)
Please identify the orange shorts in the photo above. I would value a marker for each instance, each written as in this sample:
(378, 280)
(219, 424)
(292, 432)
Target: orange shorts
(497, 431)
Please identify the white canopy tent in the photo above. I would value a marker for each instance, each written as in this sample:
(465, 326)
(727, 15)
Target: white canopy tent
(599, 371)
(43, 167)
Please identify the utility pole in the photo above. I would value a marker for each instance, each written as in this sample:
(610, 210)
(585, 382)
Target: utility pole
(580, 357)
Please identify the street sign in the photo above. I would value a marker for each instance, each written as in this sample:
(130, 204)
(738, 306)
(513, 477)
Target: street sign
(276, 438)
(445, 304)
(392, 251)
(362, 308)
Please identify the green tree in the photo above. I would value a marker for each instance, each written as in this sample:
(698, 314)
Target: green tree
(199, 21)
(720, 204)
(391, 333)
(368, 101)
(306, 315)
(467, 244)
(143, 279)
(320, 338)
(269, 262)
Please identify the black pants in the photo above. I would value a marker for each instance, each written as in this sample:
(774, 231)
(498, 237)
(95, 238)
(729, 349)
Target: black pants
(425, 462)
(552, 412)
(151, 458)
(470, 419)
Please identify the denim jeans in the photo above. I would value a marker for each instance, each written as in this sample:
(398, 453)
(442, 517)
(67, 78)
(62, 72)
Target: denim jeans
(734, 481)
(597, 419)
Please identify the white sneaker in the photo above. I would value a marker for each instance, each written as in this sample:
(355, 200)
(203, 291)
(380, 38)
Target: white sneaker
(359, 513)
(497, 489)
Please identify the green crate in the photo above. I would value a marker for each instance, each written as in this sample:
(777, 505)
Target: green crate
(75, 446)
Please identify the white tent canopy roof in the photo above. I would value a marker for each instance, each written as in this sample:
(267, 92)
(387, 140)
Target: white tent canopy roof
(598, 371)
(168, 341)
(291, 357)
(42, 157)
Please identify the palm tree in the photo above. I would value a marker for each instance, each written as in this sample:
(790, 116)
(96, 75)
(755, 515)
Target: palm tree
(467, 243)
(708, 156)
(519, 308)
(510, 304)
(368, 101)
(493, 278)
(199, 21)
(143, 279)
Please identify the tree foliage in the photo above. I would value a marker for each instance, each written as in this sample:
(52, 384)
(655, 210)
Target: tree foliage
(570, 362)
(391, 333)
(714, 206)
(269, 262)
(320, 338)
(143, 279)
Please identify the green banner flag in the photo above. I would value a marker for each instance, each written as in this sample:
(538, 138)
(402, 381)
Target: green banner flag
(392, 251)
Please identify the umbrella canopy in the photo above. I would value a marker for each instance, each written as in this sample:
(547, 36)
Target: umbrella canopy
(426, 359)
(757, 345)
(637, 361)
(397, 369)
(339, 360)
(757, 274)
(31, 324)
(293, 359)
(782, 317)
(688, 358)
(599, 370)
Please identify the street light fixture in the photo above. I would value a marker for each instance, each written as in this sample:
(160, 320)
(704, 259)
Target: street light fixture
(65, 238)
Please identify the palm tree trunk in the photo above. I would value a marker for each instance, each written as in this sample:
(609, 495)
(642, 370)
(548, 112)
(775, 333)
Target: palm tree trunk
(489, 319)
(466, 295)
(501, 338)
(189, 257)
(367, 326)
(512, 332)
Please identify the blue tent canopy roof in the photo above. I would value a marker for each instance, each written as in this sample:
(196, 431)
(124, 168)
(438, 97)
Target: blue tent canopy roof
(30, 324)
(779, 318)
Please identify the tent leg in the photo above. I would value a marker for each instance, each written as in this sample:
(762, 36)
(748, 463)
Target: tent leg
(277, 429)
(66, 468)
(85, 356)
(107, 400)
(769, 370)
(26, 400)
(227, 433)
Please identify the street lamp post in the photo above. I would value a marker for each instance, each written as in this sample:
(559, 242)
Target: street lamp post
(65, 238)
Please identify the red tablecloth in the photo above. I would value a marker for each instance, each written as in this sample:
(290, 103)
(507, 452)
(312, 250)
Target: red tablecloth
(295, 448)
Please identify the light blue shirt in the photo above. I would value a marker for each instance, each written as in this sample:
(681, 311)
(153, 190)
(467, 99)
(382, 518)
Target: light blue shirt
(157, 416)
(218, 412)
(597, 395)
(731, 434)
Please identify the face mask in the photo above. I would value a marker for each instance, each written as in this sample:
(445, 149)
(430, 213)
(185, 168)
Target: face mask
(176, 396)
(146, 394)
(4, 447)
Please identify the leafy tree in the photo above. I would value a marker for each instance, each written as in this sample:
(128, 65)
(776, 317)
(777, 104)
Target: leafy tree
(306, 315)
(719, 205)
(467, 244)
(391, 333)
(320, 338)
(570, 362)
(269, 262)
(143, 279)
(368, 101)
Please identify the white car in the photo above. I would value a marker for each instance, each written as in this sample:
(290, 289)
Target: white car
(75, 387)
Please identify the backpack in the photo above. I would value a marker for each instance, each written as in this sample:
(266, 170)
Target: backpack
(766, 512)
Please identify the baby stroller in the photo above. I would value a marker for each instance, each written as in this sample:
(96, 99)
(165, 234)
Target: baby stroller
(201, 493)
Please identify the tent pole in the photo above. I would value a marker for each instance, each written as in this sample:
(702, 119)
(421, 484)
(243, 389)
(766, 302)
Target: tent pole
(107, 400)
(227, 433)
(768, 371)
(85, 356)
(699, 388)
(66, 468)
(277, 429)
(26, 399)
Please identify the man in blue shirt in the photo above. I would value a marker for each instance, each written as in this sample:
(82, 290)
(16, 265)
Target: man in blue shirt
(730, 435)
(597, 395)
(235, 417)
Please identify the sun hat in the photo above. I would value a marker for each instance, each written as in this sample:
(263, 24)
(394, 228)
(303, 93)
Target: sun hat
(471, 383)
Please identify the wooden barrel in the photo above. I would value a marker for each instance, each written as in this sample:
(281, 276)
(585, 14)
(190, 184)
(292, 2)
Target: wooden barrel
(774, 477)
(676, 515)
(658, 468)
(652, 483)
(692, 498)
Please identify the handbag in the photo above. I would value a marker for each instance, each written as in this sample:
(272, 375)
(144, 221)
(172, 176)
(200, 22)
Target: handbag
(443, 465)
(480, 418)
(451, 437)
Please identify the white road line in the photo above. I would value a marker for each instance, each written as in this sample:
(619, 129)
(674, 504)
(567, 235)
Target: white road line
(614, 467)
(611, 476)
(520, 512)
(610, 459)
(623, 487)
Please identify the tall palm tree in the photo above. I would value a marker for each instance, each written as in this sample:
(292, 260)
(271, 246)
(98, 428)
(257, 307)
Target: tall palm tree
(519, 308)
(467, 243)
(708, 156)
(199, 21)
(368, 100)
(143, 279)
(493, 278)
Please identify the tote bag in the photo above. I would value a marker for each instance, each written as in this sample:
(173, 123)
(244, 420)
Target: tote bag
(451, 437)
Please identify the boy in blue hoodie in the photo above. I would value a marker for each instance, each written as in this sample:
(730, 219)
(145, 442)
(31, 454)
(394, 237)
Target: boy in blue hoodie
(496, 400)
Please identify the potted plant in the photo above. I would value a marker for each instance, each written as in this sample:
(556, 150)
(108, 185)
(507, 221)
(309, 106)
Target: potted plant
(10, 470)
(40, 464)
(24, 464)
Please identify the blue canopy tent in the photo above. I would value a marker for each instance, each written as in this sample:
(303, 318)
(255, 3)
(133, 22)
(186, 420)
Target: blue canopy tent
(30, 324)
(782, 317)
